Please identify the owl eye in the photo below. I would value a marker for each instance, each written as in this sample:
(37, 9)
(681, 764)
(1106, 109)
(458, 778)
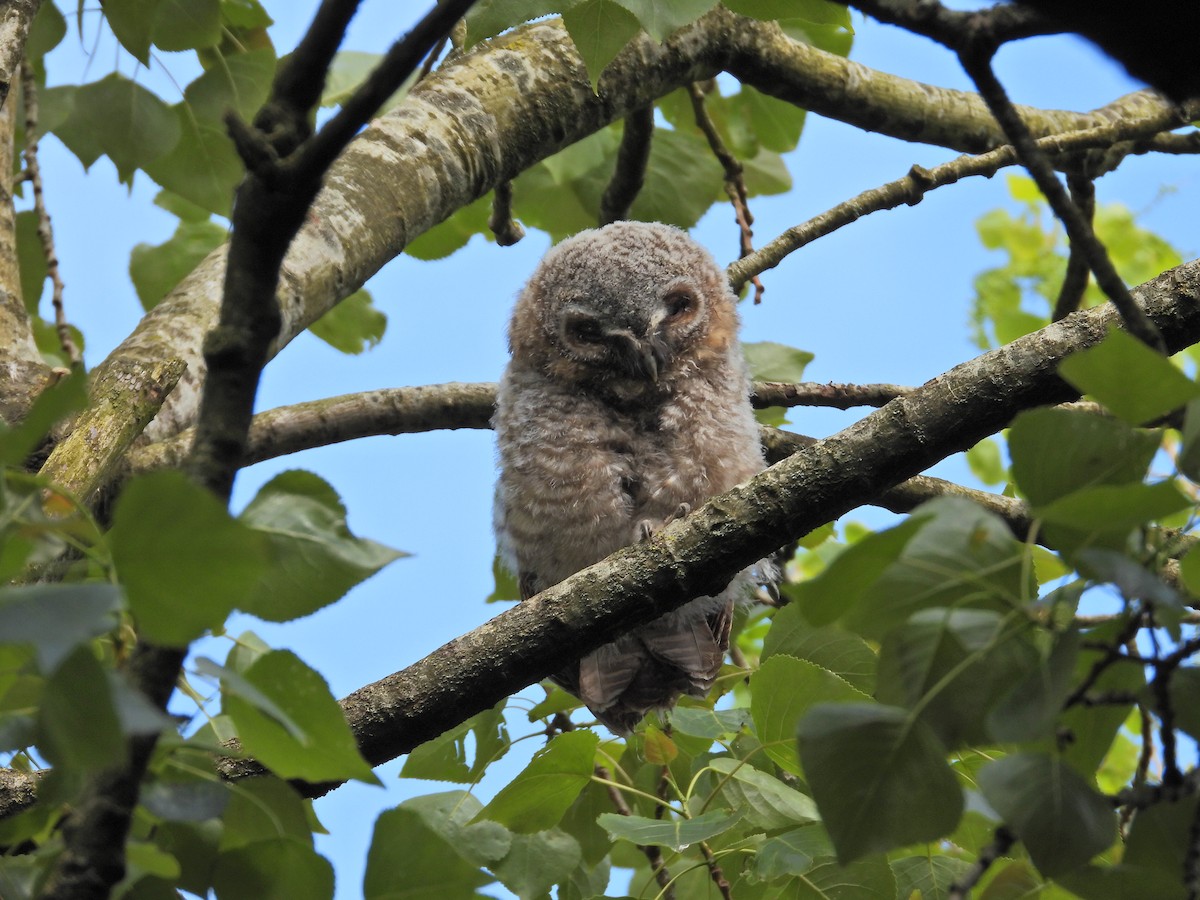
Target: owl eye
(585, 330)
(678, 304)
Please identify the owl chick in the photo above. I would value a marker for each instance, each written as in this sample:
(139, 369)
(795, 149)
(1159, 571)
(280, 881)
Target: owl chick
(624, 406)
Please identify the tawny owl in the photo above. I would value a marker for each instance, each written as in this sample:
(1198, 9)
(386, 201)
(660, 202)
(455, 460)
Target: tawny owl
(626, 403)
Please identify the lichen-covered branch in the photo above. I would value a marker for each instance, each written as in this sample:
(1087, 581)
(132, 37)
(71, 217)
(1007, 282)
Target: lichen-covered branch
(486, 115)
(124, 398)
(15, 18)
(695, 555)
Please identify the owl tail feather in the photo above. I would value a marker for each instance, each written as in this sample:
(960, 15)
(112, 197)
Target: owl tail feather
(680, 653)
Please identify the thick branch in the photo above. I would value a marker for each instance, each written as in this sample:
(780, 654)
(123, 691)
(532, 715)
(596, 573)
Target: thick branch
(696, 555)
(487, 115)
(124, 398)
(15, 18)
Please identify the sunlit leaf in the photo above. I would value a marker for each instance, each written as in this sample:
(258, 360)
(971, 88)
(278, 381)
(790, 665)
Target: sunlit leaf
(166, 533)
(600, 29)
(324, 751)
(537, 798)
(354, 325)
(765, 801)
(782, 690)
(677, 834)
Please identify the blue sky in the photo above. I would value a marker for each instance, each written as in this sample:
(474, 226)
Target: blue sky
(885, 299)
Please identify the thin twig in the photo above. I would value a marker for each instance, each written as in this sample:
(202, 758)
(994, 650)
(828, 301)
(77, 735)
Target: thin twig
(1002, 842)
(977, 60)
(45, 230)
(432, 58)
(1075, 281)
(715, 872)
(505, 228)
(653, 854)
(630, 172)
(735, 182)
(835, 396)
(912, 188)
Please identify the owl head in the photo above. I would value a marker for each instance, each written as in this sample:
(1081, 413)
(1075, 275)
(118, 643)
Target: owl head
(627, 306)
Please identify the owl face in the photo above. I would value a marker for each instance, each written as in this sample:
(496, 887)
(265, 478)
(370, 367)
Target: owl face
(631, 302)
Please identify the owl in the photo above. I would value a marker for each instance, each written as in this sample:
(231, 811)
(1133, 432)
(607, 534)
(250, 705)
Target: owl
(625, 405)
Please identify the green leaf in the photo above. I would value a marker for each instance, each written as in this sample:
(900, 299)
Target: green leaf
(132, 21)
(708, 723)
(600, 30)
(314, 559)
(683, 179)
(452, 234)
(985, 462)
(445, 757)
(538, 797)
(187, 24)
(767, 802)
(31, 257)
(1133, 381)
(1061, 821)
(792, 853)
(325, 750)
(1189, 453)
(1185, 688)
(660, 20)
(1057, 451)
(348, 71)
(879, 777)
(769, 361)
(950, 666)
(677, 834)
(928, 877)
(191, 800)
(488, 18)
(962, 554)
(166, 534)
(156, 269)
(247, 14)
(781, 691)
(239, 83)
(46, 32)
(278, 869)
(409, 859)
(777, 124)
(203, 167)
(130, 124)
(1030, 710)
(78, 727)
(537, 862)
(1114, 508)
(817, 11)
(61, 116)
(845, 654)
(354, 325)
(847, 579)
(1159, 837)
(53, 404)
(55, 619)
(263, 809)
(450, 814)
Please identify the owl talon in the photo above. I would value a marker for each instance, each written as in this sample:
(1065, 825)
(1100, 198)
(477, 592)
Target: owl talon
(643, 531)
(682, 511)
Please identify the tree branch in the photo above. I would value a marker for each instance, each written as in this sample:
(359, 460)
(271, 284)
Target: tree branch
(913, 187)
(630, 172)
(15, 18)
(515, 100)
(696, 555)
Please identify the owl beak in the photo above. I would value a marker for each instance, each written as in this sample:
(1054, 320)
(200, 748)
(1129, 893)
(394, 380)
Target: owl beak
(650, 361)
